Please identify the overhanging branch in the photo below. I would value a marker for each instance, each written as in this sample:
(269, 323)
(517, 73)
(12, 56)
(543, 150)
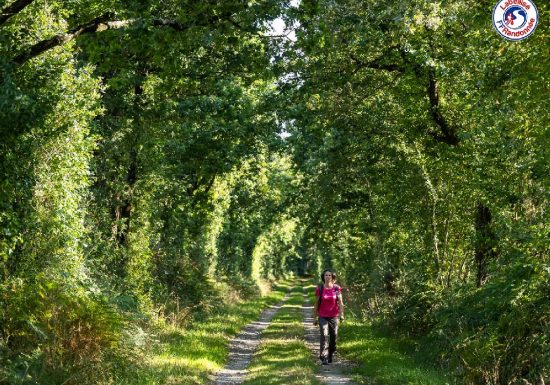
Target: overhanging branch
(13, 10)
(99, 23)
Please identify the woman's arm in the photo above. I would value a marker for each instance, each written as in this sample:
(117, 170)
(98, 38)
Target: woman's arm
(316, 310)
(316, 307)
(340, 307)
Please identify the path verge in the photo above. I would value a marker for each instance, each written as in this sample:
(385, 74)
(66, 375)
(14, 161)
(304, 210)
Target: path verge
(191, 353)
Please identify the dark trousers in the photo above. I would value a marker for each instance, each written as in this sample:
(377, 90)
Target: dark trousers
(328, 328)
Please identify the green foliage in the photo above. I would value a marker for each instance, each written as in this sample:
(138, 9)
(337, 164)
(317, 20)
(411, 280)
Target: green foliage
(121, 151)
(54, 331)
(419, 133)
(171, 143)
(500, 331)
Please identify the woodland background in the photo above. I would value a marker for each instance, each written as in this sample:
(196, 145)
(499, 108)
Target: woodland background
(150, 150)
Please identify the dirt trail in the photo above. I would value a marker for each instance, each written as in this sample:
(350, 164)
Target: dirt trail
(330, 374)
(243, 347)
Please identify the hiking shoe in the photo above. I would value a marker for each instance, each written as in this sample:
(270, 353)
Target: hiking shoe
(324, 361)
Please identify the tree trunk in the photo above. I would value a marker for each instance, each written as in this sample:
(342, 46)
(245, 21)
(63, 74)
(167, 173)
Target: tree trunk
(485, 243)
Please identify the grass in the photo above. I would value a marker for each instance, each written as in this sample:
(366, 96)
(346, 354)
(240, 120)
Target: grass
(386, 360)
(283, 357)
(187, 356)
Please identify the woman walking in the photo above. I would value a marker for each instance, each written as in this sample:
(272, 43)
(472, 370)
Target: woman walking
(328, 308)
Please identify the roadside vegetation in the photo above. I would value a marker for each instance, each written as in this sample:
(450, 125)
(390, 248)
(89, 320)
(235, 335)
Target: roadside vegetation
(385, 359)
(187, 354)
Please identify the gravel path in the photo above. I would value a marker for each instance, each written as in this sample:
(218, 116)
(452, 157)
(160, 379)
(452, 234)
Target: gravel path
(243, 347)
(330, 374)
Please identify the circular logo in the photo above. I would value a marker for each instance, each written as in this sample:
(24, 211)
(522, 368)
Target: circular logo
(515, 19)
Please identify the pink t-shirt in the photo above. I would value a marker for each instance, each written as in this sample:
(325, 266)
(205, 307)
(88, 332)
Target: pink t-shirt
(329, 303)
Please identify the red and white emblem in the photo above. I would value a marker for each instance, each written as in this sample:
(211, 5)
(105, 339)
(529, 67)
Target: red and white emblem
(515, 19)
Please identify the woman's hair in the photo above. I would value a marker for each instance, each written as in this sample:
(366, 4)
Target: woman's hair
(331, 272)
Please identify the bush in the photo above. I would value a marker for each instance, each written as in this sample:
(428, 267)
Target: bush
(53, 330)
(498, 334)
(415, 313)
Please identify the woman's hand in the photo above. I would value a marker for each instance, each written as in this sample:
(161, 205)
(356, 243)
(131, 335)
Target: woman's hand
(315, 321)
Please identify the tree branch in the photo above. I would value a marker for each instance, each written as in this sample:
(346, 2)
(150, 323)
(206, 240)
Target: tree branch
(448, 133)
(170, 23)
(375, 64)
(13, 10)
(99, 23)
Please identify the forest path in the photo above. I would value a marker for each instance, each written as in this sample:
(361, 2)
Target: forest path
(332, 374)
(243, 347)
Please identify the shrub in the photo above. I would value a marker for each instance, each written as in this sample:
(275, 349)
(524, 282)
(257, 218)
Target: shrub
(54, 330)
(415, 313)
(499, 333)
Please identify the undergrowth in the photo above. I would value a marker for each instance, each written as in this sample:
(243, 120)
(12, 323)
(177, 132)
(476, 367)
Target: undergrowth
(188, 353)
(385, 359)
(74, 337)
